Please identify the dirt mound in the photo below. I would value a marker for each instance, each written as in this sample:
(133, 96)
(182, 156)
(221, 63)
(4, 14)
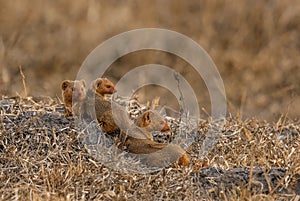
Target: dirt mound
(43, 157)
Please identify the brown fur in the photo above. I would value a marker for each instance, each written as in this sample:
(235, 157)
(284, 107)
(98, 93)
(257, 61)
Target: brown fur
(152, 121)
(73, 93)
(132, 138)
(112, 120)
(102, 86)
(103, 112)
(154, 153)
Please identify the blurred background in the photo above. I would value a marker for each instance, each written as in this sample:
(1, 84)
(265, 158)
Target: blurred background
(254, 44)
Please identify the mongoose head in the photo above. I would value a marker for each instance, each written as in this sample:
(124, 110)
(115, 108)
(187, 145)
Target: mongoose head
(152, 121)
(102, 86)
(73, 91)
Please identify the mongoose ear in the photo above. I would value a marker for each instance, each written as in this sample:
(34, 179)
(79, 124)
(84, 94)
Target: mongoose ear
(83, 82)
(98, 82)
(146, 116)
(65, 84)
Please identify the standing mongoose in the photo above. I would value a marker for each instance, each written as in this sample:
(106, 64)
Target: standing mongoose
(73, 93)
(101, 87)
(98, 107)
(96, 101)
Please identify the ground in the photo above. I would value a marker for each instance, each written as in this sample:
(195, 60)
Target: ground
(43, 156)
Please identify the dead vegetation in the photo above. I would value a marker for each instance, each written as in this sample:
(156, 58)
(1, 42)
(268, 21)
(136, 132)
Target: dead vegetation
(43, 157)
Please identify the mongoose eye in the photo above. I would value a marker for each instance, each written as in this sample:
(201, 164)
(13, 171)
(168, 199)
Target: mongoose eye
(98, 84)
(73, 89)
(108, 86)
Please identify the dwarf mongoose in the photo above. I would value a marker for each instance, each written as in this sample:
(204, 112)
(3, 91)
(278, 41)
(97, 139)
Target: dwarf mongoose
(152, 121)
(98, 107)
(133, 138)
(101, 87)
(153, 153)
(73, 93)
(96, 102)
(157, 153)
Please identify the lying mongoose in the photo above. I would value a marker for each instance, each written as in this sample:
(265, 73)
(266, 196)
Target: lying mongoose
(140, 141)
(73, 93)
(153, 151)
(157, 153)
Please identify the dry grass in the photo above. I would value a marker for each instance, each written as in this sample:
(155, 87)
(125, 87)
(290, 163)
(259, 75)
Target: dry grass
(42, 157)
(255, 46)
